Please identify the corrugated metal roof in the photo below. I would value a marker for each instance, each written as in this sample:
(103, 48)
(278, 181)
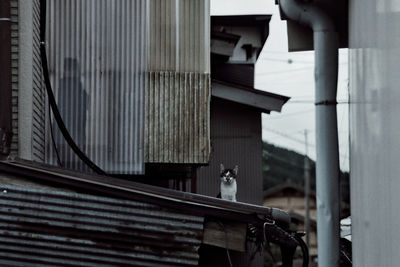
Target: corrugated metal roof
(186, 202)
(42, 227)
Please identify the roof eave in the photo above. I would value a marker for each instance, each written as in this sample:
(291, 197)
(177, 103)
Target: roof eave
(258, 99)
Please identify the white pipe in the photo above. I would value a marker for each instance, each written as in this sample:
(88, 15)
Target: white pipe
(327, 166)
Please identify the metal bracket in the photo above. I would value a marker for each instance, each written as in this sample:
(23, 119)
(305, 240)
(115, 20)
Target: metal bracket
(326, 103)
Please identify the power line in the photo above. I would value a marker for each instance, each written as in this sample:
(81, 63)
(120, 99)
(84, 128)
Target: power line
(283, 160)
(289, 60)
(294, 139)
(285, 115)
(286, 136)
(285, 71)
(312, 102)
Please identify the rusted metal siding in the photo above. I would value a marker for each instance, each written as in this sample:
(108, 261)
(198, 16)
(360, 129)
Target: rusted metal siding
(97, 52)
(235, 140)
(178, 86)
(53, 228)
(179, 38)
(14, 75)
(177, 117)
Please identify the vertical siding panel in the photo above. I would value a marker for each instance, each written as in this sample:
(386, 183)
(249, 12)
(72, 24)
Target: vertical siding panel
(195, 107)
(171, 116)
(177, 117)
(179, 44)
(160, 108)
(150, 120)
(157, 114)
(38, 112)
(190, 110)
(235, 133)
(181, 117)
(166, 117)
(108, 43)
(14, 75)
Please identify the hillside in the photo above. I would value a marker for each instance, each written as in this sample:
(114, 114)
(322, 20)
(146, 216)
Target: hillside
(281, 165)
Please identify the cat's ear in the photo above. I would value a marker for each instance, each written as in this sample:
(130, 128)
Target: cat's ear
(236, 170)
(221, 168)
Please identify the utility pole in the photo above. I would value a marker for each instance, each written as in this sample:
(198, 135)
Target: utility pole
(306, 190)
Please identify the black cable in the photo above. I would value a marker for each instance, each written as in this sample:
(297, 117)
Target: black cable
(304, 250)
(52, 101)
(53, 141)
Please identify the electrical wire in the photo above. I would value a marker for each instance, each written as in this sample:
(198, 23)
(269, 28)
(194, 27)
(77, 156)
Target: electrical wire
(52, 100)
(53, 141)
(304, 250)
(286, 136)
(284, 161)
(283, 71)
(284, 115)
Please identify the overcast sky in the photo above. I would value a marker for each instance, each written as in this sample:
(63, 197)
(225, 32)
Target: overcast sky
(275, 74)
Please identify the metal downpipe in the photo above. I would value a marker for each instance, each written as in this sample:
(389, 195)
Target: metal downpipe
(327, 165)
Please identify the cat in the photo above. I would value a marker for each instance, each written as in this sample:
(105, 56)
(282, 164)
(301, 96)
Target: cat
(228, 183)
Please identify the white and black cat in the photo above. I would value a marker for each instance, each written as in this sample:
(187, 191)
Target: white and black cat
(228, 188)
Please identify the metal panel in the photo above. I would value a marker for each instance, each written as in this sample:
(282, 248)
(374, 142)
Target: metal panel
(14, 75)
(97, 61)
(179, 36)
(177, 120)
(236, 140)
(48, 228)
(38, 93)
(374, 131)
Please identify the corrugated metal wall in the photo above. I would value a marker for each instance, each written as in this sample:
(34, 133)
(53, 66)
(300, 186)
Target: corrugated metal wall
(14, 75)
(177, 117)
(235, 140)
(97, 61)
(178, 92)
(49, 228)
(179, 36)
(374, 57)
(38, 91)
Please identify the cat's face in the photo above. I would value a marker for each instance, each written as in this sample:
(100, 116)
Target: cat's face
(228, 175)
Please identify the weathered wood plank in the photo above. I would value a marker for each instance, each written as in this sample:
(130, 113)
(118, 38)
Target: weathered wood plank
(225, 235)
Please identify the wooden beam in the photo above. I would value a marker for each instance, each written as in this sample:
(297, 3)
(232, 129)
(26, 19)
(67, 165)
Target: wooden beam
(226, 235)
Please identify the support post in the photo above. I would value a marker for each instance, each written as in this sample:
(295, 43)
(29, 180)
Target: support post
(327, 166)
